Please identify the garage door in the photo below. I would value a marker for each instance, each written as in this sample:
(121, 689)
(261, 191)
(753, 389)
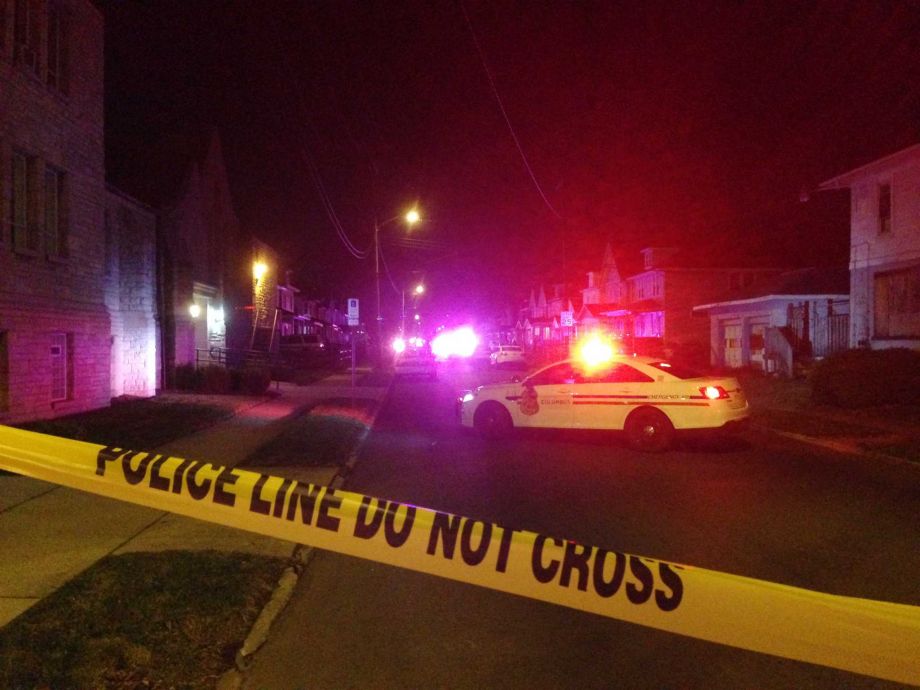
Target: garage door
(732, 348)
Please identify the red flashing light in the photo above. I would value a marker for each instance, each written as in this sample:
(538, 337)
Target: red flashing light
(714, 392)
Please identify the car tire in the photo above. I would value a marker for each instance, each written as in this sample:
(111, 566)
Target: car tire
(649, 430)
(492, 421)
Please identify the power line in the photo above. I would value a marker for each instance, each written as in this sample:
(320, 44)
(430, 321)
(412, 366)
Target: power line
(501, 106)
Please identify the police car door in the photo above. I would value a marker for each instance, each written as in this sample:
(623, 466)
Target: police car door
(546, 398)
(608, 395)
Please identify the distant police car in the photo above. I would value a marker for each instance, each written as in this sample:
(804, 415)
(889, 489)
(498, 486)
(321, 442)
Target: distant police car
(648, 398)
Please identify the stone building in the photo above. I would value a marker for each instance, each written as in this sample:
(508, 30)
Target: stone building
(130, 271)
(63, 319)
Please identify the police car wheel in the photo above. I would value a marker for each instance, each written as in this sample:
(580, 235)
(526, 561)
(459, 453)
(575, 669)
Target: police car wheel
(492, 421)
(649, 430)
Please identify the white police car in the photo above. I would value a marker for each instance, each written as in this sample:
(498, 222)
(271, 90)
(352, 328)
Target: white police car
(648, 398)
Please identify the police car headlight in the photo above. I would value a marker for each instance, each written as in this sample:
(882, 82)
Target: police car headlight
(466, 396)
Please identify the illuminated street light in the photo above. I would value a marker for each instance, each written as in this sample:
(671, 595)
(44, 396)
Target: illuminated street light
(194, 310)
(259, 269)
(411, 217)
(417, 291)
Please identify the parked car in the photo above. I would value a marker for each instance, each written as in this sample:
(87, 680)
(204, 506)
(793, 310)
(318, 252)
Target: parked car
(647, 398)
(310, 350)
(507, 355)
(416, 361)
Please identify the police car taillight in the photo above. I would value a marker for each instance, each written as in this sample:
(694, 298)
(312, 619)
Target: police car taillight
(714, 392)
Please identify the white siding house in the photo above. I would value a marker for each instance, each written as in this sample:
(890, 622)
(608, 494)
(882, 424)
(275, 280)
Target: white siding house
(884, 250)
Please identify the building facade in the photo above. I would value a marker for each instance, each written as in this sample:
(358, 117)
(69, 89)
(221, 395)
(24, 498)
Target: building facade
(55, 346)
(884, 250)
(77, 311)
(130, 271)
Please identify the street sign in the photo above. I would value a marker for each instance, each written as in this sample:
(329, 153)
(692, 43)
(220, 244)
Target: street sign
(567, 319)
(353, 311)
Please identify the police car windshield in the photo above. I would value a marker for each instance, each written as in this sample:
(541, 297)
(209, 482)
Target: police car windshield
(676, 370)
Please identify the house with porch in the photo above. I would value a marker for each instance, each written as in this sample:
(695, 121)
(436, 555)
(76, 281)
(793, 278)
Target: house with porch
(884, 250)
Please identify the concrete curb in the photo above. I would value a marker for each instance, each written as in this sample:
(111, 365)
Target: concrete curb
(300, 558)
(837, 446)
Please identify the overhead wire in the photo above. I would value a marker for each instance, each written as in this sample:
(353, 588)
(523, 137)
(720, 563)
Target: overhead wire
(328, 206)
(501, 107)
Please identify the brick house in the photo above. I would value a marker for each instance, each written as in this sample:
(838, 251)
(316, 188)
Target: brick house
(652, 309)
(884, 250)
(77, 322)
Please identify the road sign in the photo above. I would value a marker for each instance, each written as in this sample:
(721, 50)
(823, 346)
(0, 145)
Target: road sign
(567, 319)
(353, 311)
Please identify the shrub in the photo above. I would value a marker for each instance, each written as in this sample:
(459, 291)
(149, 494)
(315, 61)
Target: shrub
(215, 379)
(188, 378)
(862, 378)
(254, 380)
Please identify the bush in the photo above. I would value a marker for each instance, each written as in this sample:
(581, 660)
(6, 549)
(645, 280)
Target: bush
(253, 380)
(188, 378)
(215, 379)
(863, 378)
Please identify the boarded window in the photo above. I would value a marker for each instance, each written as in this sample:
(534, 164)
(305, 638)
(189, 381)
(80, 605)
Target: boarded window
(884, 208)
(897, 303)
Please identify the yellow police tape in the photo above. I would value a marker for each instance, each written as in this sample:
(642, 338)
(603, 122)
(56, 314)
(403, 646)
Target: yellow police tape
(874, 638)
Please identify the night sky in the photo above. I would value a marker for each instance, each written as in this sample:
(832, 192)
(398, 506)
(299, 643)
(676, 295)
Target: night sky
(688, 124)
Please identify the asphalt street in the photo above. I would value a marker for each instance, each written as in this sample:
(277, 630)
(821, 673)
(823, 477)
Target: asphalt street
(754, 505)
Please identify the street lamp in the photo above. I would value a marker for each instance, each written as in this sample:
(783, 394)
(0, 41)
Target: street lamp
(417, 291)
(411, 217)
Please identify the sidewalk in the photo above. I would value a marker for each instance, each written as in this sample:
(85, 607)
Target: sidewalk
(52, 533)
(890, 432)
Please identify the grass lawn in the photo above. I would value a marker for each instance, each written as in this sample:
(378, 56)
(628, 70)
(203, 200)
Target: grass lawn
(136, 424)
(142, 620)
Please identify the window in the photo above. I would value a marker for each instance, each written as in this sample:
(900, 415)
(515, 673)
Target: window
(897, 304)
(61, 366)
(559, 374)
(4, 373)
(56, 48)
(884, 208)
(55, 220)
(25, 33)
(23, 204)
(683, 372)
(618, 373)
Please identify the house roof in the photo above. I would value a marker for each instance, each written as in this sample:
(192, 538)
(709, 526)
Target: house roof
(157, 174)
(894, 160)
(801, 283)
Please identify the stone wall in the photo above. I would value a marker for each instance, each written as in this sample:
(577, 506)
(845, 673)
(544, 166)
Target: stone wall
(130, 271)
(55, 126)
